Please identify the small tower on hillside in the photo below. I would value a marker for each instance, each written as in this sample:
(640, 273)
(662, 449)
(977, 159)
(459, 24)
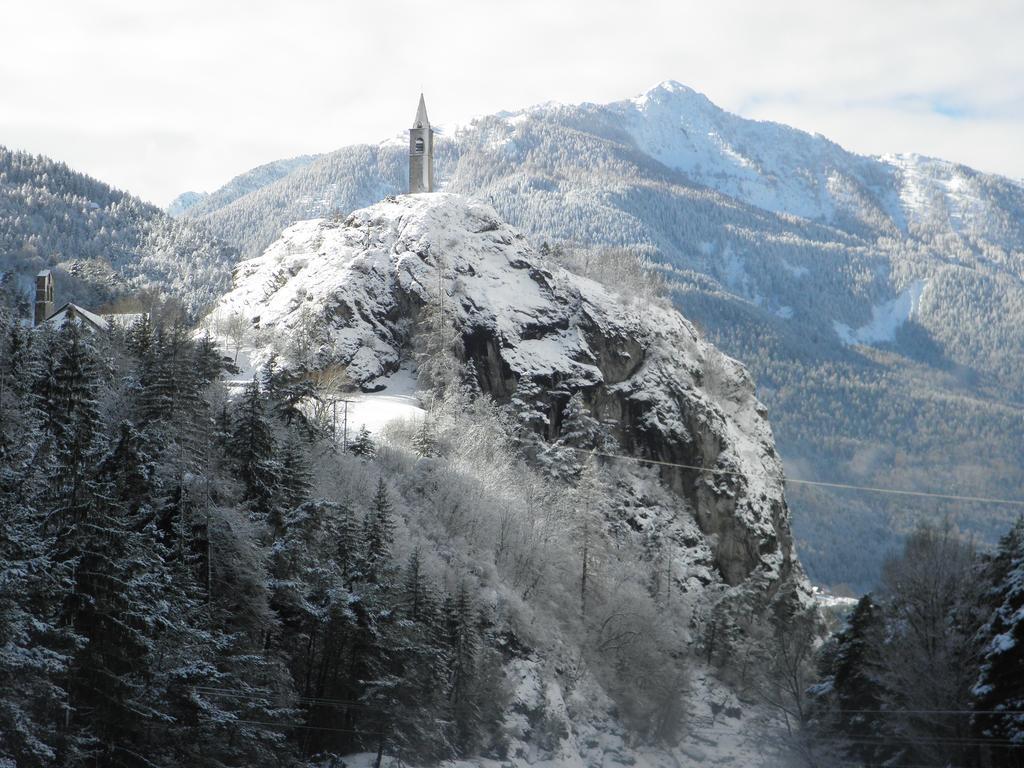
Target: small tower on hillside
(44, 297)
(421, 152)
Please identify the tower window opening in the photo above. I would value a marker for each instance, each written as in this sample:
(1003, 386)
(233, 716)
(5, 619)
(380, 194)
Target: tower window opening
(419, 145)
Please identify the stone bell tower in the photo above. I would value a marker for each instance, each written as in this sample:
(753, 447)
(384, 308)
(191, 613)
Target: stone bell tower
(421, 152)
(44, 297)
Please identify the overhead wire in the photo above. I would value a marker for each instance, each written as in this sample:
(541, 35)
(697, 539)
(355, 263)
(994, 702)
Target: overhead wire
(816, 483)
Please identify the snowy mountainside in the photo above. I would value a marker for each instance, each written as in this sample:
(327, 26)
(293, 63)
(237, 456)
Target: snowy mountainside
(808, 233)
(353, 285)
(102, 242)
(351, 294)
(878, 301)
(767, 165)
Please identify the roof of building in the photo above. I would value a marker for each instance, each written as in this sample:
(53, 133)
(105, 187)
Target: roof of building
(73, 312)
(421, 120)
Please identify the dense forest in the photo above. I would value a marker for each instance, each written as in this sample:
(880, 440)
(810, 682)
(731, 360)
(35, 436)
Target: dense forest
(174, 591)
(189, 578)
(194, 577)
(104, 244)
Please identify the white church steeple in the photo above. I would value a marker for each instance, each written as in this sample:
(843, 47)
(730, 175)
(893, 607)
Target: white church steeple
(421, 152)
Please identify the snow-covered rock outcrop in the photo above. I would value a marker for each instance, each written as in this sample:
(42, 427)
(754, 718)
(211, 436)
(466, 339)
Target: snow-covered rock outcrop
(354, 287)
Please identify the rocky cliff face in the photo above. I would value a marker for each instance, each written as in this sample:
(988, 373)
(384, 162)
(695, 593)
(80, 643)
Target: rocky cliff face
(350, 291)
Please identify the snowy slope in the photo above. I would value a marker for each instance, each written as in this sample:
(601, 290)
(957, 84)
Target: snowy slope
(748, 203)
(347, 294)
(767, 165)
(355, 286)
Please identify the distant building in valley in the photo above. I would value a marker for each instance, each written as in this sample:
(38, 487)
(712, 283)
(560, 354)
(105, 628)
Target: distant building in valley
(44, 313)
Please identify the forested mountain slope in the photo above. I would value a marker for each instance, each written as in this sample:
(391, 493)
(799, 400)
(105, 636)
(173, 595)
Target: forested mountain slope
(102, 243)
(878, 301)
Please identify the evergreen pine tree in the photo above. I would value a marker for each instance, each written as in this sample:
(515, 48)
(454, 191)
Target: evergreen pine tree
(463, 647)
(209, 362)
(419, 667)
(425, 438)
(363, 444)
(350, 547)
(34, 646)
(1000, 684)
(578, 433)
(295, 478)
(378, 534)
(171, 401)
(285, 392)
(73, 417)
(139, 338)
(252, 446)
(857, 695)
(578, 428)
(116, 604)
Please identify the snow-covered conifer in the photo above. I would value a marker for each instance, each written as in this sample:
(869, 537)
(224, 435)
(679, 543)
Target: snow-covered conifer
(1000, 683)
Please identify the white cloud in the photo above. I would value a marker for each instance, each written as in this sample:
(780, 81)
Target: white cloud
(158, 99)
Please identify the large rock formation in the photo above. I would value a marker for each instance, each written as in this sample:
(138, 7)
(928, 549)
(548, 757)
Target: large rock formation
(353, 288)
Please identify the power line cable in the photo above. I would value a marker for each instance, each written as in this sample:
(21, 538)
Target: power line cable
(816, 483)
(929, 712)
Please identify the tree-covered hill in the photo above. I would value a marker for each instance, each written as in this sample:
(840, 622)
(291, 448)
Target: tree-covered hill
(102, 242)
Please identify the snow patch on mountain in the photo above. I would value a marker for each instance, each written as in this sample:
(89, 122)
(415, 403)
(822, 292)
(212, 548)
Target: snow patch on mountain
(933, 188)
(886, 318)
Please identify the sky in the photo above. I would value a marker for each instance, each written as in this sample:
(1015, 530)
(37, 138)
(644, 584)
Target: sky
(159, 98)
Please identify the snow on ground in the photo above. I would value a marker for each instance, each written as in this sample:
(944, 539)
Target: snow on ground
(396, 396)
(830, 601)
(396, 400)
(721, 730)
(930, 186)
(886, 319)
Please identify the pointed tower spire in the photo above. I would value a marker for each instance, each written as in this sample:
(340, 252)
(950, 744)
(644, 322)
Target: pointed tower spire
(421, 120)
(421, 152)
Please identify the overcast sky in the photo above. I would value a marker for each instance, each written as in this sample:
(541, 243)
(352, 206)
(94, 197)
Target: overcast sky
(162, 98)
